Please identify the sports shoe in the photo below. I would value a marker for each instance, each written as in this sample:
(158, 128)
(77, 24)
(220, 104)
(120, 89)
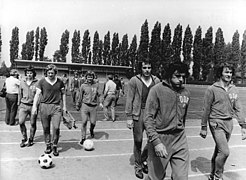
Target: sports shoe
(55, 151)
(48, 149)
(23, 143)
(30, 142)
(82, 142)
(139, 173)
(145, 167)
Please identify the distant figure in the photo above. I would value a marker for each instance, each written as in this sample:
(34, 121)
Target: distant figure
(96, 79)
(123, 86)
(221, 105)
(118, 88)
(26, 95)
(138, 90)
(74, 87)
(12, 84)
(109, 98)
(65, 81)
(88, 99)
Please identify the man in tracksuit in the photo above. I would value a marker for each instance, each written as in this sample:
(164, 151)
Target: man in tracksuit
(221, 105)
(26, 95)
(166, 109)
(138, 90)
(88, 101)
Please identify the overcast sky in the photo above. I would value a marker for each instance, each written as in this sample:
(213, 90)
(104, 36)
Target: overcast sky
(121, 16)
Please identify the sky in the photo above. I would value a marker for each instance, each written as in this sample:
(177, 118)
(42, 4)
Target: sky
(120, 16)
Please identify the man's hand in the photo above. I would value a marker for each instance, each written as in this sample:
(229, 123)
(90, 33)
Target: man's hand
(203, 133)
(160, 150)
(129, 123)
(101, 105)
(243, 133)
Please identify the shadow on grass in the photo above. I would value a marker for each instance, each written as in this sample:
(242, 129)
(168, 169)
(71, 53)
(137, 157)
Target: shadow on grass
(200, 164)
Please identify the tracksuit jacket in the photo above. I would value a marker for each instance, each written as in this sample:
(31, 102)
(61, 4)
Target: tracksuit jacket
(88, 94)
(27, 92)
(221, 104)
(134, 99)
(166, 111)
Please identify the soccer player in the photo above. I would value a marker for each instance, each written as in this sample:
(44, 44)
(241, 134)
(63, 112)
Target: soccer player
(88, 100)
(138, 90)
(166, 109)
(53, 92)
(221, 104)
(118, 88)
(26, 95)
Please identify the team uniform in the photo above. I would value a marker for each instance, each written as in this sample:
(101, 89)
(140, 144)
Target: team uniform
(25, 101)
(50, 108)
(164, 120)
(88, 101)
(220, 107)
(135, 106)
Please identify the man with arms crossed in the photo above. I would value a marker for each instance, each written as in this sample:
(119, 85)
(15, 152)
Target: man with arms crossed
(166, 109)
(138, 89)
(221, 105)
(53, 92)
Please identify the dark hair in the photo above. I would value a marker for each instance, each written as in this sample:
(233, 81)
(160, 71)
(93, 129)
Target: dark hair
(219, 69)
(50, 67)
(140, 64)
(110, 76)
(30, 68)
(178, 66)
(90, 73)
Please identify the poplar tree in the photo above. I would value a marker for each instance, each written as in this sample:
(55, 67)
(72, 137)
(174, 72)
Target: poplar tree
(166, 48)
(155, 47)
(115, 49)
(219, 47)
(14, 45)
(64, 45)
(124, 51)
(235, 51)
(95, 49)
(177, 43)
(100, 52)
(143, 49)
(133, 53)
(43, 43)
(36, 43)
(197, 53)
(187, 45)
(75, 47)
(0, 43)
(86, 47)
(207, 56)
(30, 45)
(243, 57)
(106, 50)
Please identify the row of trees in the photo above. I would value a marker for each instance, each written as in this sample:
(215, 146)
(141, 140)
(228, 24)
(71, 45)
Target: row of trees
(161, 47)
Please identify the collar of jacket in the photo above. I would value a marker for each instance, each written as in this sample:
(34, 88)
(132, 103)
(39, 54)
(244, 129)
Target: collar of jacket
(219, 84)
(34, 80)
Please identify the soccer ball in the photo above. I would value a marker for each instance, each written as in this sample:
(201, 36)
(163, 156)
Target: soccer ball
(45, 161)
(88, 145)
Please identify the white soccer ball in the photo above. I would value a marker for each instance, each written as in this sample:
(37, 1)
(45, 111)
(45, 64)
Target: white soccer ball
(88, 145)
(45, 161)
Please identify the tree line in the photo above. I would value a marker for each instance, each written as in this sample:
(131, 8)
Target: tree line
(160, 46)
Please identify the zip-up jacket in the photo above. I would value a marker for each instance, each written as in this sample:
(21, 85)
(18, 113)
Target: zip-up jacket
(134, 96)
(221, 104)
(27, 92)
(165, 111)
(88, 94)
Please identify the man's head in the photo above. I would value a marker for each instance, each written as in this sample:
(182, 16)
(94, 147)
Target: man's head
(176, 74)
(14, 72)
(89, 75)
(30, 72)
(76, 74)
(110, 76)
(51, 71)
(225, 72)
(145, 68)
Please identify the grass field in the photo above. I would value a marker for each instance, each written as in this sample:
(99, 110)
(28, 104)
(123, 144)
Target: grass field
(112, 158)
